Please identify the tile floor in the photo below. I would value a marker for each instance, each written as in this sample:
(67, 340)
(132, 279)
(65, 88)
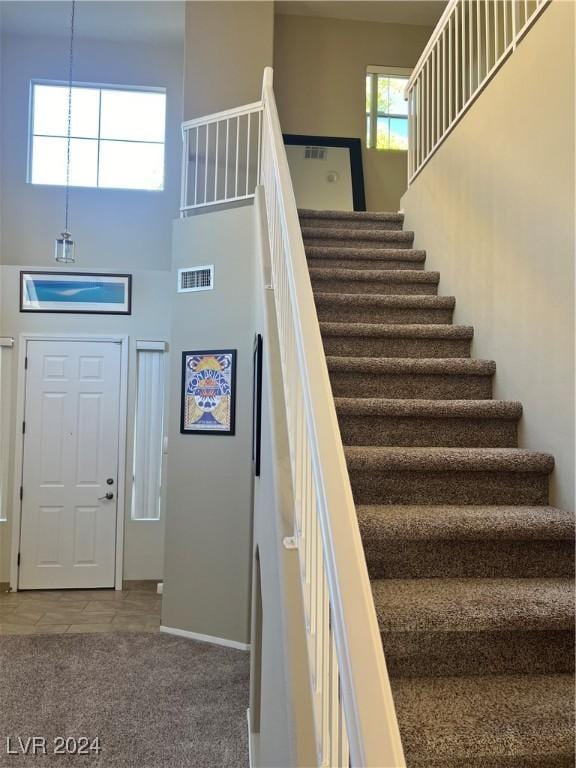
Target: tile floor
(135, 609)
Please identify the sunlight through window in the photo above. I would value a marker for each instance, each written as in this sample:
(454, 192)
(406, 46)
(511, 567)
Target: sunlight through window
(117, 136)
(386, 108)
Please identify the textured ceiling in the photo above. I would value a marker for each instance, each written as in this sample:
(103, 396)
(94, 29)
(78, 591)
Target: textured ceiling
(422, 12)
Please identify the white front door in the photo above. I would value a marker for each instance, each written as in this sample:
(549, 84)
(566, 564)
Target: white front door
(70, 468)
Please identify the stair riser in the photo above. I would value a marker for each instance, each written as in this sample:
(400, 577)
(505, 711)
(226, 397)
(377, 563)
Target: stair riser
(366, 346)
(375, 287)
(372, 486)
(431, 387)
(364, 264)
(497, 559)
(352, 313)
(357, 242)
(358, 224)
(426, 432)
(454, 654)
(502, 761)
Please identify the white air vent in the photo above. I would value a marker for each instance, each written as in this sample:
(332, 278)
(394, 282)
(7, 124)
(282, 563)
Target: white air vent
(315, 153)
(196, 279)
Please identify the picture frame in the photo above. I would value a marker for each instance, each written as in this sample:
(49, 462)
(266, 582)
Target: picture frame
(257, 403)
(208, 392)
(80, 293)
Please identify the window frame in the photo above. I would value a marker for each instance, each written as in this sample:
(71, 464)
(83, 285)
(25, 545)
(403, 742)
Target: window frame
(372, 115)
(92, 86)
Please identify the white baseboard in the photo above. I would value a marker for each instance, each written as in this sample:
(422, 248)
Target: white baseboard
(206, 638)
(160, 587)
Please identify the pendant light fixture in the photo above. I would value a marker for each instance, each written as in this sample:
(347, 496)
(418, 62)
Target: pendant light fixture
(64, 247)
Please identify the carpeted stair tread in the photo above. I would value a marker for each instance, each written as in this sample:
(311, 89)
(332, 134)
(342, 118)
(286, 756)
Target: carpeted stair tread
(470, 423)
(473, 605)
(353, 218)
(383, 235)
(404, 365)
(338, 253)
(393, 282)
(383, 308)
(398, 340)
(310, 213)
(398, 330)
(466, 541)
(392, 276)
(389, 522)
(447, 459)
(439, 409)
(383, 300)
(497, 721)
(435, 378)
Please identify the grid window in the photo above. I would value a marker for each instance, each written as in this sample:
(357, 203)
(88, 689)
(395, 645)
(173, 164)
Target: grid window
(386, 109)
(117, 136)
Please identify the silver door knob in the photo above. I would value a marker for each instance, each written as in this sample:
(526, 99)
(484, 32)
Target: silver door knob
(108, 497)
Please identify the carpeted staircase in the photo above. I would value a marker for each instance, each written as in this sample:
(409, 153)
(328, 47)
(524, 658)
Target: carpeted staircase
(471, 569)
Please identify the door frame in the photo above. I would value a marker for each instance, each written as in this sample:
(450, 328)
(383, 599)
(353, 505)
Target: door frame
(23, 340)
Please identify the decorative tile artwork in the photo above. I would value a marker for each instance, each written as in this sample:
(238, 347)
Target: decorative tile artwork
(208, 392)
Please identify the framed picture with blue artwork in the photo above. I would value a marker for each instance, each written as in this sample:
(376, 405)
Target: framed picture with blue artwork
(208, 392)
(76, 292)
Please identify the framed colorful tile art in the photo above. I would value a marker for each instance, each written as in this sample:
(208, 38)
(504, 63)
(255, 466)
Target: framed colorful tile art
(208, 392)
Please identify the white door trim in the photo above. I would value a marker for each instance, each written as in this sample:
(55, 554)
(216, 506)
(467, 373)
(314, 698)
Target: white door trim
(24, 338)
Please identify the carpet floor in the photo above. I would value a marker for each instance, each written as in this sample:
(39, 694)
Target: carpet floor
(154, 701)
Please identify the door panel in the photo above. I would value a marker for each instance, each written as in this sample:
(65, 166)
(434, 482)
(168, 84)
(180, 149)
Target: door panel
(68, 532)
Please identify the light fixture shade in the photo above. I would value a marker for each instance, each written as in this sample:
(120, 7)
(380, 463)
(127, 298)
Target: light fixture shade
(64, 249)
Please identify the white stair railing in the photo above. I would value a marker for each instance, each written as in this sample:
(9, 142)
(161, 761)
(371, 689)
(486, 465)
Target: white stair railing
(470, 42)
(225, 156)
(355, 720)
(221, 157)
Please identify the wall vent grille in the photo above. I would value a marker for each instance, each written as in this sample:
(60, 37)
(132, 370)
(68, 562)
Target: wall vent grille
(196, 279)
(315, 153)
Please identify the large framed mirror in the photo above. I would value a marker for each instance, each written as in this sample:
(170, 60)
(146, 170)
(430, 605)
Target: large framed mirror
(326, 172)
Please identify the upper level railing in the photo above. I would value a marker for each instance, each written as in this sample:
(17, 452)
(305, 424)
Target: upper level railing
(221, 157)
(471, 40)
(224, 157)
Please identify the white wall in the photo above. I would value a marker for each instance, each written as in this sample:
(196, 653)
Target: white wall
(209, 502)
(115, 230)
(494, 208)
(321, 183)
(143, 556)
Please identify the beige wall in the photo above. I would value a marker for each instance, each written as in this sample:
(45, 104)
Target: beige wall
(228, 44)
(495, 210)
(209, 502)
(320, 85)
